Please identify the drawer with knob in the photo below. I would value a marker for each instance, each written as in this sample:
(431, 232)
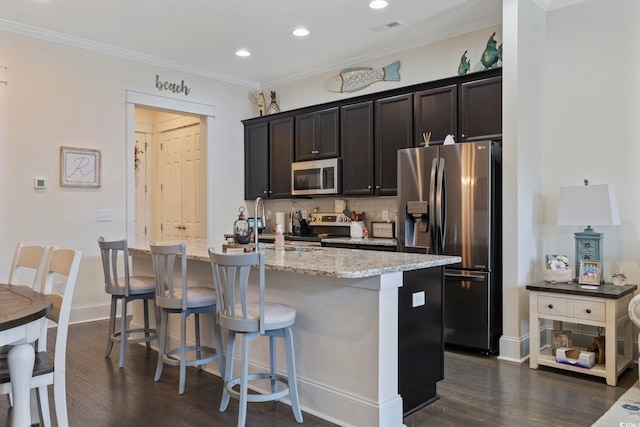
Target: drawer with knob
(552, 305)
(569, 307)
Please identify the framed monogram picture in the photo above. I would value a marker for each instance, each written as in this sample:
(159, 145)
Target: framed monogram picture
(79, 167)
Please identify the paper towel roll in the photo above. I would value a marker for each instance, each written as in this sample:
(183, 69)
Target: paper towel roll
(280, 219)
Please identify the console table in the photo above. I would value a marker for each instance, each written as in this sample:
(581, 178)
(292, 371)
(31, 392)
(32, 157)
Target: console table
(606, 306)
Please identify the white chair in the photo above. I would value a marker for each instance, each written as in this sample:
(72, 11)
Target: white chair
(252, 320)
(634, 315)
(174, 296)
(125, 288)
(28, 266)
(63, 266)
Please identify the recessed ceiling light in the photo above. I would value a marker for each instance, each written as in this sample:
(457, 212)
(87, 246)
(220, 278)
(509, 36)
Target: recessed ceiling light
(300, 32)
(378, 4)
(243, 53)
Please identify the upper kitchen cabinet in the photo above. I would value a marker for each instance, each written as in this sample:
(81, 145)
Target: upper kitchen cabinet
(480, 112)
(356, 140)
(393, 131)
(268, 152)
(317, 135)
(436, 111)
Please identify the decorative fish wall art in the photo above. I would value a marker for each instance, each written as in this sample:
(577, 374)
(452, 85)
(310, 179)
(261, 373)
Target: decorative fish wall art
(358, 78)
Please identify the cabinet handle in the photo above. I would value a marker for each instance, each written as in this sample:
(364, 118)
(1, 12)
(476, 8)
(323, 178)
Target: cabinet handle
(377, 187)
(368, 187)
(463, 135)
(270, 191)
(588, 311)
(550, 305)
(264, 192)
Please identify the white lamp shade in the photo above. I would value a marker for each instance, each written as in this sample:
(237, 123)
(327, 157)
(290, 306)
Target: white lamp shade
(588, 205)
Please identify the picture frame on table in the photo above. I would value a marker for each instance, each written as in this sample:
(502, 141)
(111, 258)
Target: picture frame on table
(79, 167)
(590, 272)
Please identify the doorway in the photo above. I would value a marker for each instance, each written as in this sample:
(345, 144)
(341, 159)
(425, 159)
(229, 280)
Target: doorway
(173, 194)
(167, 193)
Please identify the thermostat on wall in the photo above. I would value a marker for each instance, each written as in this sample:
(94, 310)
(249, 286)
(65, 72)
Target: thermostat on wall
(38, 183)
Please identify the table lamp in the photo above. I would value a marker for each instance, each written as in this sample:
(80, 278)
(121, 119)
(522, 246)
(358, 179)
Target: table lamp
(588, 205)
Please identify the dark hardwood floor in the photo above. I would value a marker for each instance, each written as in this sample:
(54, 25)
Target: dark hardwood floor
(477, 391)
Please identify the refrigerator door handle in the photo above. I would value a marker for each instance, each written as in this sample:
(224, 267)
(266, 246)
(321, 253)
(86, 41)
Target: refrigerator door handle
(464, 277)
(432, 206)
(441, 206)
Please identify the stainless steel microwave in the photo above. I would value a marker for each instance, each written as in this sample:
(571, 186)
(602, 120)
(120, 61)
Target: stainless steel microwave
(315, 177)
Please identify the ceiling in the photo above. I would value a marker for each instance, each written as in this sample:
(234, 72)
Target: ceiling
(201, 36)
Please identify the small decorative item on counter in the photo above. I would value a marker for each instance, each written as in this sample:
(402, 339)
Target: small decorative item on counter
(557, 269)
(273, 107)
(241, 228)
(279, 240)
(365, 233)
(619, 279)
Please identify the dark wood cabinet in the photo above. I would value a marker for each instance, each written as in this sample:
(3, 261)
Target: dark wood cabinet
(256, 160)
(480, 111)
(367, 131)
(317, 135)
(436, 111)
(393, 131)
(281, 157)
(356, 140)
(268, 153)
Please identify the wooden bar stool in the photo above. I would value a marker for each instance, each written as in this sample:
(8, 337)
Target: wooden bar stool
(252, 320)
(174, 296)
(125, 288)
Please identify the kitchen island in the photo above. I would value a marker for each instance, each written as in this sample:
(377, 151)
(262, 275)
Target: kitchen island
(346, 330)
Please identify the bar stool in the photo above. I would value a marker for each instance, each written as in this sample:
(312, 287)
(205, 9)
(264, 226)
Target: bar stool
(252, 320)
(184, 300)
(125, 288)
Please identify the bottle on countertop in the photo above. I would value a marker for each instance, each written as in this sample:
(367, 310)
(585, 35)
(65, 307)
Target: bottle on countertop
(279, 240)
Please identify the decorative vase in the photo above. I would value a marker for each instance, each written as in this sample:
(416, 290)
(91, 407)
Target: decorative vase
(241, 228)
(273, 107)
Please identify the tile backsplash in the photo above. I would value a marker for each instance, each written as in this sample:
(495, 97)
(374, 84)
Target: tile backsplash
(372, 206)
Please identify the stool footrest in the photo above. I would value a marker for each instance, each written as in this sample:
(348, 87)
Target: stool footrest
(262, 397)
(153, 335)
(207, 355)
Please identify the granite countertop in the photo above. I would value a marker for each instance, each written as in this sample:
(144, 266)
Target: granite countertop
(373, 241)
(319, 261)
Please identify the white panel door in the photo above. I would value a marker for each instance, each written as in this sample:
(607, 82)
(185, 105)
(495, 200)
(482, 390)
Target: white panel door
(191, 179)
(181, 183)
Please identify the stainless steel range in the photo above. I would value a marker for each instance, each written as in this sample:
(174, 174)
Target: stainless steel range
(323, 225)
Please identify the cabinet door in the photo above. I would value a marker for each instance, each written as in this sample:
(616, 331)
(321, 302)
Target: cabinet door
(327, 133)
(435, 111)
(281, 156)
(256, 160)
(356, 140)
(480, 111)
(394, 130)
(304, 141)
(317, 135)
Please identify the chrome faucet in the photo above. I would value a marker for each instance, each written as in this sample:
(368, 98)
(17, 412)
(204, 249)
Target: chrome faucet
(259, 202)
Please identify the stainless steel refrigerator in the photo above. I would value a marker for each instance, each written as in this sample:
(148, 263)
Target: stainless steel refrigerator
(449, 202)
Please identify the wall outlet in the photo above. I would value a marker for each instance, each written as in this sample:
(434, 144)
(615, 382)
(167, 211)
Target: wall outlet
(418, 299)
(103, 215)
(385, 215)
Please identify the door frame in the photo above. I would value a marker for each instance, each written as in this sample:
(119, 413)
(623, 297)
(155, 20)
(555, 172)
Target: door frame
(206, 112)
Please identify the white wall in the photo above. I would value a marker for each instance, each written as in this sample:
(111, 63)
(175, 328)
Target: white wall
(60, 95)
(423, 64)
(592, 107)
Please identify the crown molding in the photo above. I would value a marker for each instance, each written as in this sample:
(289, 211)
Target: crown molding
(548, 5)
(129, 55)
